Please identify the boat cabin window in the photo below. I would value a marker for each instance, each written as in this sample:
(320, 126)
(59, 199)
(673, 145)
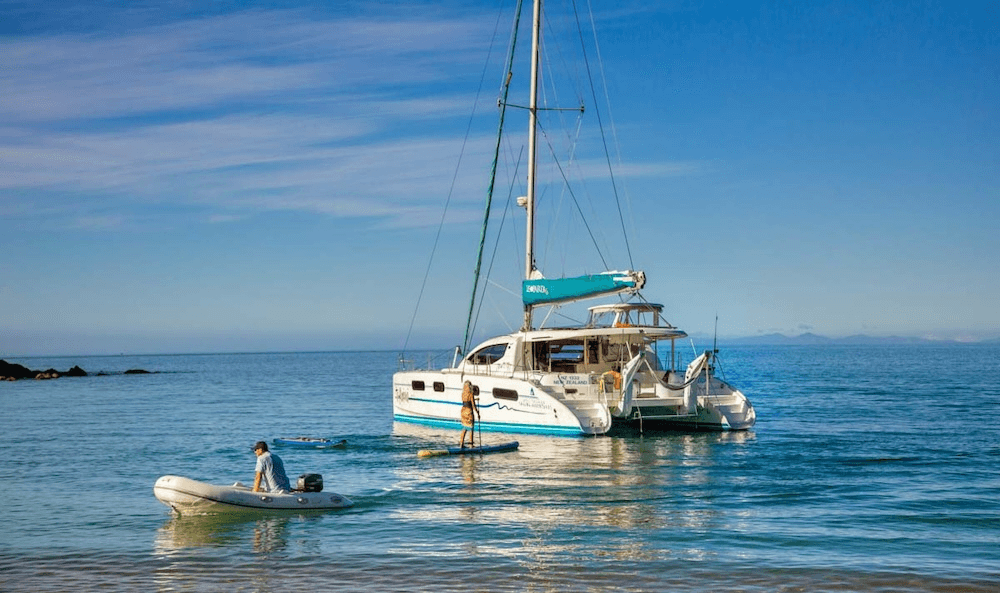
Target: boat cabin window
(417, 385)
(617, 352)
(635, 317)
(568, 356)
(602, 319)
(507, 394)
(626, 317)
(561, 356)
(439, 386)
(566, 352)
(488, 355)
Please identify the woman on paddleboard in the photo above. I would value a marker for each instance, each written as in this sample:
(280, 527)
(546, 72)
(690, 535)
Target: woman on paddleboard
(469, 414)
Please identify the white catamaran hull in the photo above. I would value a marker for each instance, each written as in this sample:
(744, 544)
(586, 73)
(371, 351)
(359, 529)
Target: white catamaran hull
(586, 399)
(191, 497)
(538, 412)
(724, 408)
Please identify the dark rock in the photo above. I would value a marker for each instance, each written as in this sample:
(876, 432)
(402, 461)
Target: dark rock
(14, 371)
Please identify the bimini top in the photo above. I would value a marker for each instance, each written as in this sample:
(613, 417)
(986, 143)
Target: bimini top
(614, 319)
(627, 315)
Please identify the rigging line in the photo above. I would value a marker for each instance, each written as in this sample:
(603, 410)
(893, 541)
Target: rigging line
(604, 140)
(572, 320)
(493, 176)
(607, 103)
(572, 195)
(573, 139)
(489, 271)
(499, 312)
(503, 288)
(451, 189)
(518, 241)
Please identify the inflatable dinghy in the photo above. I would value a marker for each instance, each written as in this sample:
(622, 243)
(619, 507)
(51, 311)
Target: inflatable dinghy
(191, 497)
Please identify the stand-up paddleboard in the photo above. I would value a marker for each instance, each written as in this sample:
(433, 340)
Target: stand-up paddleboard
(310, 443)
(502, 447)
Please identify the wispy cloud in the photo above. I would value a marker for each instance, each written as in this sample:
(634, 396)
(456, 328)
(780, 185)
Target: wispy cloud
(235, 114)
(211, 61)
(230, 116)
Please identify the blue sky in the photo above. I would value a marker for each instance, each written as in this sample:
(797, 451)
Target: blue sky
(247, 176)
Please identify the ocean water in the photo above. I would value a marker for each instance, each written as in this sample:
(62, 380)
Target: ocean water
(870, 469)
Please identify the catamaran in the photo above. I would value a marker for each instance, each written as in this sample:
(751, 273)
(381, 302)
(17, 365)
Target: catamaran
(576, 380)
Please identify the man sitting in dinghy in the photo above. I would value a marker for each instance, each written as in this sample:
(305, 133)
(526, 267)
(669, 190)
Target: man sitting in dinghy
(270, 470)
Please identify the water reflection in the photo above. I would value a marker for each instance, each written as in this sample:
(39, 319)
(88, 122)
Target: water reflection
(579, 497)
(198, 531)
(265, 534)
(184, 540)
(468, 467)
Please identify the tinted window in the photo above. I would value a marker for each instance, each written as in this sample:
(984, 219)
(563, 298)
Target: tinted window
(508, 394)
(489, 354)
(567, 352)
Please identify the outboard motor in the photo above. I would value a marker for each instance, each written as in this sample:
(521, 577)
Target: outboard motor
(310, 483)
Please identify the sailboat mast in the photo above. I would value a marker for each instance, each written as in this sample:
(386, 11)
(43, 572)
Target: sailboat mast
(529, 251)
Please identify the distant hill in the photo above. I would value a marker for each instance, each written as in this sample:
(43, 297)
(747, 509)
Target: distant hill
(810, 339)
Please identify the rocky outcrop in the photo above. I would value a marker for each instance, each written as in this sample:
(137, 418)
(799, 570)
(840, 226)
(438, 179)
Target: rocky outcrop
(12, 372)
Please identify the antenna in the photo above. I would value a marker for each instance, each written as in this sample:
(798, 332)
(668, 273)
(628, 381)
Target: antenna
(715, 338)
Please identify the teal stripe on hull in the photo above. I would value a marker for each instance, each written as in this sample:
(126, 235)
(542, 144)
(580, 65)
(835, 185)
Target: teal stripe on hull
(435, 401)
(493, 426)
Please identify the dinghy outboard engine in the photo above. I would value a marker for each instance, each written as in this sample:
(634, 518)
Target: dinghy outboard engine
(310, 483)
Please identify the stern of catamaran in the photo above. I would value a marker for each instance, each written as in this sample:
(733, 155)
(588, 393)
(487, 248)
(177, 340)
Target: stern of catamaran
(652, 393)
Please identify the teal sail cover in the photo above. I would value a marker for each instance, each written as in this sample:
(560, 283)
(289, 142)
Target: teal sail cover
(543, 291)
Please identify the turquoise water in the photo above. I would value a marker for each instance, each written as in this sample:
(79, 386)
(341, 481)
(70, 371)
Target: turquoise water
(870, 469)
